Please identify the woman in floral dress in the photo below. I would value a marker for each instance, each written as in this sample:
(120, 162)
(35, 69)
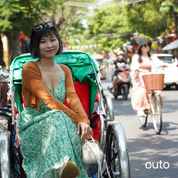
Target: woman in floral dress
(148, 63)
(50, 133)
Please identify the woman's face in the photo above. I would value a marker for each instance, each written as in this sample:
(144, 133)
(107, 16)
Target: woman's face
(48, 46)
(145, 48)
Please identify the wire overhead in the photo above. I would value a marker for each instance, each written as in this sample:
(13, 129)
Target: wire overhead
(77, 4)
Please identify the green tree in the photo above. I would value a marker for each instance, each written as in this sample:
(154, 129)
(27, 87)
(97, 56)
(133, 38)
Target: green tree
(20, 15)
(145, 18)
(108, 26)
(170, 8)
(68, 18)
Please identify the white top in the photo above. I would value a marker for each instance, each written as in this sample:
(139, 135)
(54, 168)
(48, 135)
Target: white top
(155, 62)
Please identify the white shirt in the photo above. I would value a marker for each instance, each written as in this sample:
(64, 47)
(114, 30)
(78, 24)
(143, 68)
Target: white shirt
(155, 62)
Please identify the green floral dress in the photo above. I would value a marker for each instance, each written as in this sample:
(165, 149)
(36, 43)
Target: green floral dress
(48, 139)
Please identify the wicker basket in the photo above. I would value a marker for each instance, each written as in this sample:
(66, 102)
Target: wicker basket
(154, 81)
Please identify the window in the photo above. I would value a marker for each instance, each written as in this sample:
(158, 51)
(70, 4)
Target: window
(167, 59)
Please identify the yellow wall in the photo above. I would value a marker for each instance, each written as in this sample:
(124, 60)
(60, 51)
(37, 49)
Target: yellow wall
(5, 51)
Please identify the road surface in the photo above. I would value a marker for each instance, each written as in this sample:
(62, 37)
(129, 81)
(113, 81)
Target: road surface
(151, 155)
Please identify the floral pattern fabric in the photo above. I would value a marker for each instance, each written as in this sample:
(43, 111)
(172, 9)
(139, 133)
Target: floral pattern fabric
(49, 138)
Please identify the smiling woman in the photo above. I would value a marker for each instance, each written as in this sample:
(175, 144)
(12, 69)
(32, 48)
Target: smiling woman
(47, 129)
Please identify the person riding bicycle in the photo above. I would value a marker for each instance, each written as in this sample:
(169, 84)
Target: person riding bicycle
(118, 61)
(148, 63)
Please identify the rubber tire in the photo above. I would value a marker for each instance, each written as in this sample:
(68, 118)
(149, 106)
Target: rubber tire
(156, 106)
(111, 146)
(167, 87)
(144, 122)
(115, 96)
(125, 92)
(176, 87)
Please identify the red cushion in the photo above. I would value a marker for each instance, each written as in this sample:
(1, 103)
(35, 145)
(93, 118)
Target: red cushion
(95, 123)
(83, 92)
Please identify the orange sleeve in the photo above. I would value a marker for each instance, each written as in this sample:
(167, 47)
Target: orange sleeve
(72, 98)
(32, 81)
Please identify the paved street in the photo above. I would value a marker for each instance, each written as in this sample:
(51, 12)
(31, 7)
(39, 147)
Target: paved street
(151, 155)
(159, 153)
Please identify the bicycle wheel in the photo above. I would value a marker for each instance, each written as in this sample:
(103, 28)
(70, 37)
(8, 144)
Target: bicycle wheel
(156, 113)
(143, 120)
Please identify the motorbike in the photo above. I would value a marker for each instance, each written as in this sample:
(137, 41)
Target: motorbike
(123, 82)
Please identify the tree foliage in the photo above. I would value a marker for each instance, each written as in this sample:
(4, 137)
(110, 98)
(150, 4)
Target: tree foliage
(22, 15)
(149, 18)
(107, 25)
(110, 26)
(170, 8)
(146, 18)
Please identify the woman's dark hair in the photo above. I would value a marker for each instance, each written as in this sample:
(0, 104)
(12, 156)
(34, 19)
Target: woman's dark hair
(140, 54)
(36, 37)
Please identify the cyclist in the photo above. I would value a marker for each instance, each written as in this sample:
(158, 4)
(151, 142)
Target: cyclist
(143, 60)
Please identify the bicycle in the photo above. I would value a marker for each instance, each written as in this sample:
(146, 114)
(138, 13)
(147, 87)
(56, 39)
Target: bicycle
(153, 82)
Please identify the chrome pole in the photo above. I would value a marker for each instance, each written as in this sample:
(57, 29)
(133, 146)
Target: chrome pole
(12, 94)
(101, 109)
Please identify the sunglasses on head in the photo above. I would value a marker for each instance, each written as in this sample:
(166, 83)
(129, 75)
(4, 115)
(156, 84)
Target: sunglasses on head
(145, 45)
(40, 26)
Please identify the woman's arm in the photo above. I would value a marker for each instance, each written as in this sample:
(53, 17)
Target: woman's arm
(83, 123)
(134, 68)
(32, 81)
(72, 98)
(157, 63)
(135, 64)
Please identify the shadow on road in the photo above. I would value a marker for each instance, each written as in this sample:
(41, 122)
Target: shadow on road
(166, 127)
(153, 148)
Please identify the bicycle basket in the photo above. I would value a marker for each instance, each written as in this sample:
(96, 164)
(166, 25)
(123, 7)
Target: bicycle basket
(153, 81)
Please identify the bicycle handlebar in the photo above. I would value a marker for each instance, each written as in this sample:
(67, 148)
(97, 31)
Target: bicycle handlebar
(141, 70)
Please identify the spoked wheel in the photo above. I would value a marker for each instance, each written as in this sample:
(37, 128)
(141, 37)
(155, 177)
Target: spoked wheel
(143, 120)
(112, 157)
(125, 92)
(156, 113)
(117, 159)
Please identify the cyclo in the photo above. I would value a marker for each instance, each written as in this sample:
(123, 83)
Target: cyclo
(97, 105)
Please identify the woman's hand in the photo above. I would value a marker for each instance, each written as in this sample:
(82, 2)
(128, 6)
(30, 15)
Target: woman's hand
(165, 65)
(85, 129)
